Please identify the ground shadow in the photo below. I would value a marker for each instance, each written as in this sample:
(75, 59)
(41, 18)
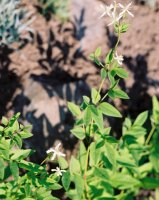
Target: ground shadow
(9, 81)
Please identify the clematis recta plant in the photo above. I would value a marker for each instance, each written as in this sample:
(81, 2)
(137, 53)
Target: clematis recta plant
(105, 167)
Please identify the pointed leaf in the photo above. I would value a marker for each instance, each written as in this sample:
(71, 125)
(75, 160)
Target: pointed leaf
(78, 132)
(75, 110)
(109, 110)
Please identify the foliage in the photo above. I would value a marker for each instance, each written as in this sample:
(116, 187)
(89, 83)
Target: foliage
(19, 178)
(106, 167)
(13, 21)
(55, 7)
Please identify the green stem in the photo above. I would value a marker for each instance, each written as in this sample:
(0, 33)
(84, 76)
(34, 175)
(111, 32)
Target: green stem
(43, 161)
(116, 45)
(85, 175)
(100, 88)
(118, 40)
(104, 96)
(101, 85)
(150, 135)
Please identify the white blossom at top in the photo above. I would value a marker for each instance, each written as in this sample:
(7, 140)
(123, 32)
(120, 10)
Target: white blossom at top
(119, 59)
(114, 18)
(58, 171)
(125, 9)
(106, 10)
(55, 152)
(111, 12)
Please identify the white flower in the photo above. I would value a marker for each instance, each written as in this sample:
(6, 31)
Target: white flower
(118, 58)
(111, 12)
(114, 18)
(106, 10)
(58, 171)
(125, 9)
(55, 152)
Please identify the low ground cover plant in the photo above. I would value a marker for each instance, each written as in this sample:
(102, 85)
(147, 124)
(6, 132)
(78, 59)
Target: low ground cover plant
(105, 167)
(14, 21)
(58, 8)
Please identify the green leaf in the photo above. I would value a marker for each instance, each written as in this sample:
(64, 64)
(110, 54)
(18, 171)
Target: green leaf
(91, 56)
(110, 154)
(123, 181)
(86, 99)
(78, 132)
(111, 79)
(122, 73)
(98, 52)
(75, 110)
(98, 118)
(117, 93)
(14, 169)
(125, 160)
(141, 119)
(109, 110)
(150, 183)
(29, 166)
(14, 119)
(155, 111)
(4, 121)
(154, 158)
(79, 185)
(18, 141)
(95, 96)
(1, 128)
(2, 168)
(82, 155)
(74, 166)
(25, 134)
(124, 27)
(4, 148)
(66, 180)
(136, 131)
(103, 73)
(101, 173)
(62, 162)
(109, 57)
(27, 189)
(19, 154)
(95, 154)
(87, 116)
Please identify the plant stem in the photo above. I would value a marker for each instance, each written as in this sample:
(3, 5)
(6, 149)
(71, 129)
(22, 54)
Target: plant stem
(43, 161)
(101, 85)
(104, 96)
(150, 135)
(118, 40)
(85, 176)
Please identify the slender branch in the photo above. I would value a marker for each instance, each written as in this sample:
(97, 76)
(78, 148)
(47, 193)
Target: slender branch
(85, 176)
(150, 135)
(43, 161)
(104, 96)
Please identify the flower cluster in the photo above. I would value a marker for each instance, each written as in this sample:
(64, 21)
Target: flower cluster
(116, 12)
(53, 153)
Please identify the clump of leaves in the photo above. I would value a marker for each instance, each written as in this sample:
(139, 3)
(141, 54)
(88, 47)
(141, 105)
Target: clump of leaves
(13, 21)
(19, 178)
(58, 8)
